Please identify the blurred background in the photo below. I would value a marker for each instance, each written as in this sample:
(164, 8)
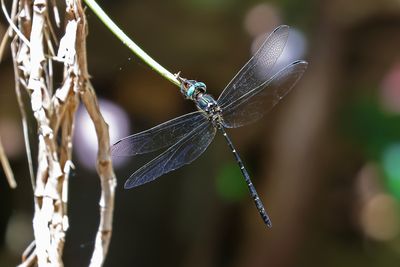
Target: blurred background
(325, 161)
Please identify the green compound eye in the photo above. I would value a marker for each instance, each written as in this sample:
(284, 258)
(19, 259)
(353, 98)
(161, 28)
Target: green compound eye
(191, 90)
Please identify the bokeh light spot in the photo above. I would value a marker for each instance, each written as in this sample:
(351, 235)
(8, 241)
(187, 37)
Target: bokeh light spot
(295, 48)
(11, 137)
(260, 19)
(85, 136)
(19, 233)
(390, 89)
(380, 219)
(368, 180)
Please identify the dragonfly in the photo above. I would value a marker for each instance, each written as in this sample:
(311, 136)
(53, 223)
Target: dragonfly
(254, 91)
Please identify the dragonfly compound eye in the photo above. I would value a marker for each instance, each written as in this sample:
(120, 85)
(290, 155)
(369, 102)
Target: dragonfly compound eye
(193, 88)
(190, 91)
(190, 88)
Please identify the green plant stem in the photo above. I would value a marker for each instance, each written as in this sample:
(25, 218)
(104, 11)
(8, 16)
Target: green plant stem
(130, 44)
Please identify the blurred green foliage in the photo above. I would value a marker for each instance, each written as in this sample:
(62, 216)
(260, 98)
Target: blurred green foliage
(230, 183)
(371, 127)
(377, 132)
(391, 168)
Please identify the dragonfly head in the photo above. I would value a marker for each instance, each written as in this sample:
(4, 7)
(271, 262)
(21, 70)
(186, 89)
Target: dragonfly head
(191, 88)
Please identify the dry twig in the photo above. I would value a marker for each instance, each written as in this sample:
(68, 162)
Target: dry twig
(54, 114)
(7, 169)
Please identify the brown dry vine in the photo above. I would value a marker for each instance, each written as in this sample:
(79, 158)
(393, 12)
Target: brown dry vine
(35, 50)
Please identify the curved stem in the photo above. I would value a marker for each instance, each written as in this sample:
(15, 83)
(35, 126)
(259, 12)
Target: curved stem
(7, 169)
(130, 44)
(12, 25)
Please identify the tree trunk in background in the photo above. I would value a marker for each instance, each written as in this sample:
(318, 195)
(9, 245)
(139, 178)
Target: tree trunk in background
(300, 154)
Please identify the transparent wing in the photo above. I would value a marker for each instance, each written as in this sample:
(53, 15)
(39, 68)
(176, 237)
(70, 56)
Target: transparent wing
(158, 137)
(184, 152)
(258, 69)
(253, 105)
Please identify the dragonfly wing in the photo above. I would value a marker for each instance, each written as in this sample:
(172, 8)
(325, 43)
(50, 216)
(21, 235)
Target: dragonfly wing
(253, 105)
(158, 137)
(184, 152)
(258, 69)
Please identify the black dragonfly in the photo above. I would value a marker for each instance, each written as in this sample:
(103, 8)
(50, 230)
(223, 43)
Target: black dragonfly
(255, 90)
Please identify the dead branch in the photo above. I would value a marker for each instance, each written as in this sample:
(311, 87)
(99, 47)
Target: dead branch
(33, 52)
(104, 164)
(6, 166)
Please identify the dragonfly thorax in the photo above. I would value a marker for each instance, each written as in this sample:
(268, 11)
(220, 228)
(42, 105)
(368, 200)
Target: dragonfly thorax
(208, 104)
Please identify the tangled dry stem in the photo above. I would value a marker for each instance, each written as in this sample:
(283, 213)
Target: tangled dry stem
(54, 113)
(6, 166)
